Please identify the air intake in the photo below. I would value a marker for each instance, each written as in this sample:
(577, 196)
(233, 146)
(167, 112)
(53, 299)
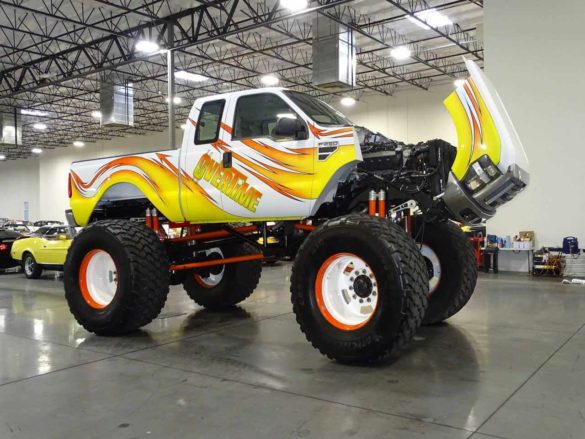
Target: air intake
(334, 59)
(10, 129)
(117, 103)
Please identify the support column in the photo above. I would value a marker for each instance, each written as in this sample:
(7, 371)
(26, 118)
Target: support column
(171, 83)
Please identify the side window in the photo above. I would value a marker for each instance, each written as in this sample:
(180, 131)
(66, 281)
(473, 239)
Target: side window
(51, 232)
(209, 121)
(256, 115)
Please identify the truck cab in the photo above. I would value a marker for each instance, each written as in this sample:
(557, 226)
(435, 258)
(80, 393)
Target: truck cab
(264, 154)
(251, 155)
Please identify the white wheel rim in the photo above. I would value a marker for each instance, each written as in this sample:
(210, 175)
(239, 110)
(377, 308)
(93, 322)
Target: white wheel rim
(98, 278)
(212, 279)
(434, 277)
(346, 291)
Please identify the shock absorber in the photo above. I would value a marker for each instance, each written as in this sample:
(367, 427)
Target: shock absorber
(155, 223)
(148, 218)
(382, 203)
(372, 203)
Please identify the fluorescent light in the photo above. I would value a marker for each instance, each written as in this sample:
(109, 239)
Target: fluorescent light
(294, 5)
(2, 157)
(36, 150)
(96, 114)
(269, 80)
(286, 116)
(188, 76)
(347, 101)
(147, 46)
(33, 112)
(400, 53)
(78, 144)
(459, 82)
(183, 126)
(176, 100)
(431, 17)
(39, 126)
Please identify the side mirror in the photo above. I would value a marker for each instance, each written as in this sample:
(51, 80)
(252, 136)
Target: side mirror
(62, 237)
(289, 127)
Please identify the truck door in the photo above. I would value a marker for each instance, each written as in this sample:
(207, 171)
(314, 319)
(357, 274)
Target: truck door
(200, 161)
(271, 173)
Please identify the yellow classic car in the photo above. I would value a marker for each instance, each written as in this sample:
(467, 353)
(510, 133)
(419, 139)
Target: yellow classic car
(45, 249)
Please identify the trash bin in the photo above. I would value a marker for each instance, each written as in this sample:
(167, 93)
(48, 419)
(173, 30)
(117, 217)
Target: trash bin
(490, 259)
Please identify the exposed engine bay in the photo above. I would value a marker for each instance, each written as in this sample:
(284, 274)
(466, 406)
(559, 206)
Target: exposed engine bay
(418, 172)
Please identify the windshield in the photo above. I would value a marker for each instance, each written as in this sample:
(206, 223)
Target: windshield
(317, 110)
(41, 231)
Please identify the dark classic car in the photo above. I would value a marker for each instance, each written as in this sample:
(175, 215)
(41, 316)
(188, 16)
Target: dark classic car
(7, 237)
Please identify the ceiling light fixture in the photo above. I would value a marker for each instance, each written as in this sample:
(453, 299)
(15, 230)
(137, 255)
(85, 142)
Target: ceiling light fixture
(347, 101)
(176, 100)
(36, 150)
(33, 112)
(39, 126)
(96, 114)
(147, 46)
(400, 53)
(78, 144)
(294, 5)
(459, 82)
(269, 80)
(431, 17)
(188, 76)
(2, 157)
(183, 126)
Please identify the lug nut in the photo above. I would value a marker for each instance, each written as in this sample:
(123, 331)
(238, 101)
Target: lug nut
(361, 300)
(373, 293)
(369, 300)
(351, 287)
(354, 296)
(351, 279)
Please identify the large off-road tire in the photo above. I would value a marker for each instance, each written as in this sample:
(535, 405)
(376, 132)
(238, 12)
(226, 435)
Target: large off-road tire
(30, 267)
(222, 286)
(359, 288)
(116, 277)
(451, 268)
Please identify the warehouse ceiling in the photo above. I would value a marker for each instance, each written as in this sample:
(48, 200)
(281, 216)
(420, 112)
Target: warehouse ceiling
(54, 53)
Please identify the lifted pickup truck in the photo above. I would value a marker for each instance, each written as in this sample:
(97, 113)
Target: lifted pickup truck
(270, 172)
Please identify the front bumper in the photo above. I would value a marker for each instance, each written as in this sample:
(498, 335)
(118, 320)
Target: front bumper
(473, 208)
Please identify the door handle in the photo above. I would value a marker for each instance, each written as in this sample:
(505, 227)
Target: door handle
(227, 160)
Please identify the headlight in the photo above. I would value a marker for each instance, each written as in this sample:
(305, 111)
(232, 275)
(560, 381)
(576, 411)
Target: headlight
(480, 173)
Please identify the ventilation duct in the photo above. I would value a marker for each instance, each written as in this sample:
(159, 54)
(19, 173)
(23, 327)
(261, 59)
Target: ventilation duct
(334, 59)
(117, 103)
(10, 129)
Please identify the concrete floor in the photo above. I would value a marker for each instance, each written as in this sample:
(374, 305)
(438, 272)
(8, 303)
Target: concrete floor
(510, 365)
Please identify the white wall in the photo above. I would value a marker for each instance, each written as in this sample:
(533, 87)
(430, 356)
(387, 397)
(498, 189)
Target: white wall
(19, 182)
(534, 57)
(410, 116)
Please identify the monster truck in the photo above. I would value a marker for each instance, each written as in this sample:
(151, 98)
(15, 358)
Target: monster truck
(259, 167)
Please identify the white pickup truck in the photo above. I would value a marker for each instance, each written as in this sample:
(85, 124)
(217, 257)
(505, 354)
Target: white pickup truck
(262, 172)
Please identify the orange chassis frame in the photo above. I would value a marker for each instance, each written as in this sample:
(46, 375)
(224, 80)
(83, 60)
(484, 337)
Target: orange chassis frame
(376, 207)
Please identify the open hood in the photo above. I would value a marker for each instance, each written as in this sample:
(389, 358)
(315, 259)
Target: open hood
(491, 166)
